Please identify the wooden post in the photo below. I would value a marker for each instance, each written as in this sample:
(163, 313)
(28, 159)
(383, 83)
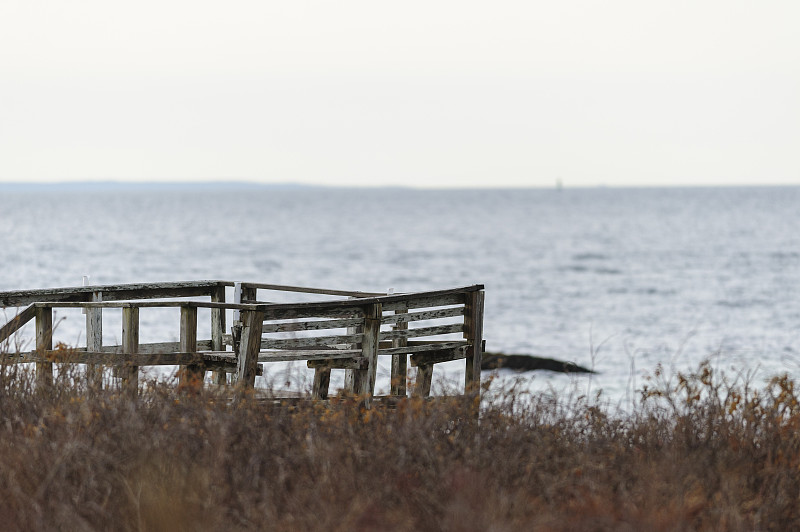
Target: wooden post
(44, 342)
(473, 332)
(190, 377)
(422, 385)
(218, 330)
(364, 379)
(322, 382)
(250, 345)
(130, 345)
(400, 362)
(94, 342)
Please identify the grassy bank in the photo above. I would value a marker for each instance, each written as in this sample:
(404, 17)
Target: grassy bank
(698, 453)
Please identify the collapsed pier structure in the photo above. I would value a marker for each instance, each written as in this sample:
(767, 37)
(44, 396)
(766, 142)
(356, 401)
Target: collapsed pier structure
(349, 332)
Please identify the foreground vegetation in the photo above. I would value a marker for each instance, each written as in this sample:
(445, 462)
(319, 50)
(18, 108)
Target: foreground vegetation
(698, 453)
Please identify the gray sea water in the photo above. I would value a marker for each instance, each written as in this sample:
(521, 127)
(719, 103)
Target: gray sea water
(616, 279)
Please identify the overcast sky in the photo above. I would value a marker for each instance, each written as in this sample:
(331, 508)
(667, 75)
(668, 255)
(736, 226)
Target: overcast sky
(419, 93)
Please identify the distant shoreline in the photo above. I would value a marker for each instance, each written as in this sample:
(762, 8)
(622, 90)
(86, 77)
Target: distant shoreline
(110, 185)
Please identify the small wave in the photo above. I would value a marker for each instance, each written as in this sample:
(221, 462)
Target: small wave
(608, 271)
(589, 256)
(742, 303)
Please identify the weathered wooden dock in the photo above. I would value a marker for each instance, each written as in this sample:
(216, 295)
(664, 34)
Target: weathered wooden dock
(349, 332)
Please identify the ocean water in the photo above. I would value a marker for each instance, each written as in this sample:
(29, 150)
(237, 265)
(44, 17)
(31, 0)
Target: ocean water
(620, 280)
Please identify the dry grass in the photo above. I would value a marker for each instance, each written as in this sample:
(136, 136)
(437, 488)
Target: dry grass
(699, 453)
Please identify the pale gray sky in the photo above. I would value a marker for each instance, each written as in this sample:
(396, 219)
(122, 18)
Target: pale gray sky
(420, 93)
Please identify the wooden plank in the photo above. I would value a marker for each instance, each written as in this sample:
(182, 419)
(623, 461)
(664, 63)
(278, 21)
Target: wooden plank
(248, 348)
(424, 315)
(423, 331)
(474, 336)
(218, 330)
(44, 342)
(307, 290)
(190, 377)
(421, 301)
(94, 342)
(289, 312)
(399, 361)
(320, 354)
(436, 357)
(130, 345)
(116, 360)
(421, 348)
(18, 298)
(357, 362)
(311, 341)
(310, 325)
(159, 347)
(17, 322)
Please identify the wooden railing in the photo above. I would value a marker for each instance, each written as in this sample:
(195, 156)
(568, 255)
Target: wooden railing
(348, 334)
(351, 334)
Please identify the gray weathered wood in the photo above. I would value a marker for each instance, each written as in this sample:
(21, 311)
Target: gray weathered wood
(17, 322)
(130, 345)
(423, 301)
(158, 347)
(438, 356)
(322, 381)
(422, 347)
(357, 362)
(18, 298)
(94, 341)
(400, 360)
(44, 342)
(249, 347)
(218, 330)
(315, 354)
(364, 380)
(190, 376)
(307, 290)
(422, 385)
(318, 325)
(424, 315)
(422, 331)
(474, 335)
(311, 341)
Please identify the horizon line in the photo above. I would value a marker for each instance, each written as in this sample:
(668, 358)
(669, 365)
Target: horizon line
(557, 185)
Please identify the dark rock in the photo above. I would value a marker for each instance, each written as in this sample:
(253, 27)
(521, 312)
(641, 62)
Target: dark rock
(529, 363)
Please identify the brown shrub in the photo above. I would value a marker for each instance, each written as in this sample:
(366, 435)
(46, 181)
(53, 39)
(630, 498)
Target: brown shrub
(701, 453)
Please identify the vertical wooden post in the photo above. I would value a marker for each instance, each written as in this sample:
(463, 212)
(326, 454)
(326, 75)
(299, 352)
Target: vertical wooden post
(474, 334)
(322, 382)
(218, 330)
(130, 345)
(94, 342)
(250, 345)
(422, 384)
(190, 377)
(400, 362)
(364, 379)
(44, 342)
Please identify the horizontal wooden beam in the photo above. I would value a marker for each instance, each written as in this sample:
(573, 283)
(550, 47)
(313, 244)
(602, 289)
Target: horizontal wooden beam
(435, 357)
(423, 331)
(321, 354)
(117, 292)
(307, 290)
